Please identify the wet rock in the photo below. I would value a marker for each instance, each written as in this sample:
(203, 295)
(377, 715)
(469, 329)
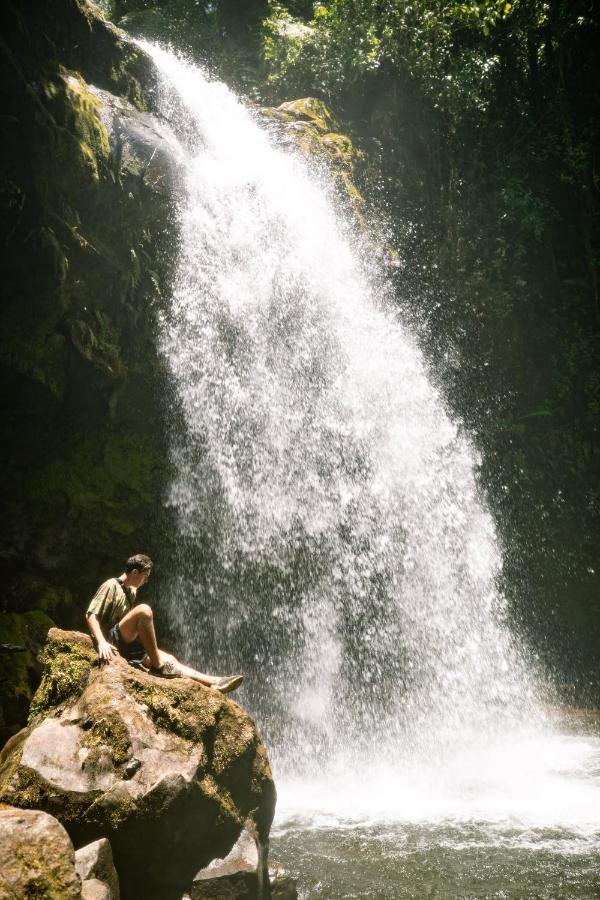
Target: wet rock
(241, 886)
(95, 862)
(37, 858)
(146, 155)
(309, 125)
(203, 769)
(235, 876)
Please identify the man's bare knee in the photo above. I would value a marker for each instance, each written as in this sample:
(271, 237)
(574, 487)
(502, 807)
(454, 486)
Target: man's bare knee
(144, 611)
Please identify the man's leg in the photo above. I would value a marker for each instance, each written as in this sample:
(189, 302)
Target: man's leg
(139, 623)
(188, 672)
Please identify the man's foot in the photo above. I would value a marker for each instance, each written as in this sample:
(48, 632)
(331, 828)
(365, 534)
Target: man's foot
(168, 670)
(228, 683)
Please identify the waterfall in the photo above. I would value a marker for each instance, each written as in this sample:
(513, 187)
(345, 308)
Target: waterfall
(332, 540)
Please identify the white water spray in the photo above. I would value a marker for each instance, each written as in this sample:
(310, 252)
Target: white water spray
(331, 540)
(332, 536)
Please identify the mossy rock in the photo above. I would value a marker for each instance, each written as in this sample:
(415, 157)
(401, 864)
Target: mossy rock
(21, 639)
(79, 144)
(312, 129)
(67, 665)
(87, 257)
(113, 752)
(311, 110)
(37, 859)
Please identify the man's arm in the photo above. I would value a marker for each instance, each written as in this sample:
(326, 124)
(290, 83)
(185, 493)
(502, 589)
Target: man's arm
(105, 650)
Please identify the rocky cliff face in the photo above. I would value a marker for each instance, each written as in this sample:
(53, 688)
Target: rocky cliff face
(168, 771)
(85, 208)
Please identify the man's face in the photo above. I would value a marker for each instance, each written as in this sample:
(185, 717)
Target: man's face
(139, 578)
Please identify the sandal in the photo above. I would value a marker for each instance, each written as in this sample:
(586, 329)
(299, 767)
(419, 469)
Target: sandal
(167, 670)
(228, 683)
(138, 664)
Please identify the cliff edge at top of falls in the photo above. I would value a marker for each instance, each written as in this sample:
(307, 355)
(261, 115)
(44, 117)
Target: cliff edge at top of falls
(168, 771)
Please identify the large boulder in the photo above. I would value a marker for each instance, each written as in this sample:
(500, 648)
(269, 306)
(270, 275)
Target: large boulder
(168, 771)
(37, 858)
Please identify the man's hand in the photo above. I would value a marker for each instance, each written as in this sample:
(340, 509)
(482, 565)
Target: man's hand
(106, 651)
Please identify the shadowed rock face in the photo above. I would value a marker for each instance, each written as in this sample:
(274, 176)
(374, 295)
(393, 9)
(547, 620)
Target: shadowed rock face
(86, 218)
(168, 771)
(86, 184)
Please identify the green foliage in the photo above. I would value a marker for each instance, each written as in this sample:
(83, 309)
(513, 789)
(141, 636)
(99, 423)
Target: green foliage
(18, 668)
(345, 43)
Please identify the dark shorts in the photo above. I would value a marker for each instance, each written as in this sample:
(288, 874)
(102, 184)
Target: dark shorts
(132, 651)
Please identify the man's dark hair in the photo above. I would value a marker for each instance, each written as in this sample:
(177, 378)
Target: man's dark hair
(140, 561)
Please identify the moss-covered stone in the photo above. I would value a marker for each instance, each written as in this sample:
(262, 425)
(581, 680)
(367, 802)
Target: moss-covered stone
(188, 715)
(67, 666)
(311, 110)
(109, 731)
(113, 752)
(21, 639)
(37, 859)
(310, 125)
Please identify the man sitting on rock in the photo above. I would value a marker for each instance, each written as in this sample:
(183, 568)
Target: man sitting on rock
(130, 630)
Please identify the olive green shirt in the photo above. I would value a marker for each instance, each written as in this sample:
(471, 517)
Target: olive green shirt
(111, 602)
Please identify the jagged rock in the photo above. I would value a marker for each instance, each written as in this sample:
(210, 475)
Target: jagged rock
(95, 862)
(37, 858)
(168, 771)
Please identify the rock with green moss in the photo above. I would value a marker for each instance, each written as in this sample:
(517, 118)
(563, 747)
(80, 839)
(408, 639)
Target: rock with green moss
(145, 762)
(37, 859)
(310, 126)
(21, 639)
(86, 176)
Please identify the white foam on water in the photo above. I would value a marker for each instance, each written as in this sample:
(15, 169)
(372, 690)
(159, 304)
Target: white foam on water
(549, 782)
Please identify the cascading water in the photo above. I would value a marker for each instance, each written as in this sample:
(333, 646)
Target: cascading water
(331, 538)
